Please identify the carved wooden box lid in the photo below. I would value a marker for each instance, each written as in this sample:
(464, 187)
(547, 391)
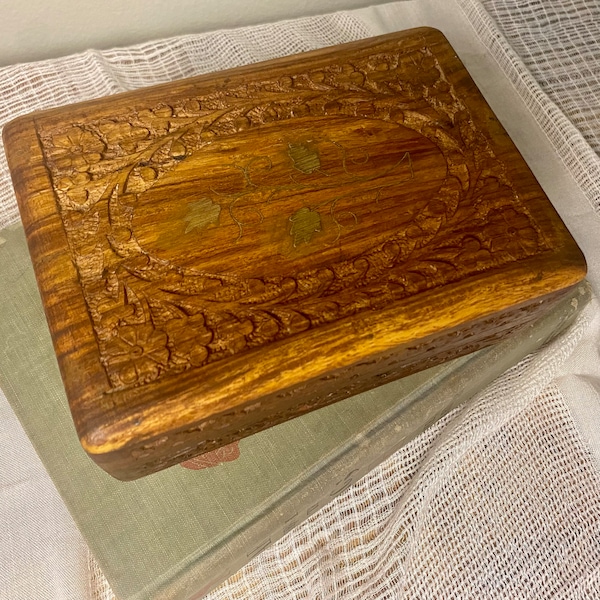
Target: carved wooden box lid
(223, 253)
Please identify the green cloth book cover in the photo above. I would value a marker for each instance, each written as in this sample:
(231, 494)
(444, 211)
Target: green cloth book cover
(179, 533)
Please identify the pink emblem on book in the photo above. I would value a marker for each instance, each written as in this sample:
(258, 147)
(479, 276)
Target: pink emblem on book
(213, 458)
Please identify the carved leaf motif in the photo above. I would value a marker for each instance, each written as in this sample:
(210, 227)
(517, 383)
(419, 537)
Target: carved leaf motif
(140, 179)
(305, 223)
(188, 337)
(202, 214)
(123, 137)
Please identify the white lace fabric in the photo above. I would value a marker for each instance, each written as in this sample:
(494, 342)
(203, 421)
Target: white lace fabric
(501, 498)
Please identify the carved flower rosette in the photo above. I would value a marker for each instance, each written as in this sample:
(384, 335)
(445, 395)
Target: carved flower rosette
(154, 316)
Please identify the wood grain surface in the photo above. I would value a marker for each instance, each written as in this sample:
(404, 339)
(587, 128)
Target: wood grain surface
(223, 253)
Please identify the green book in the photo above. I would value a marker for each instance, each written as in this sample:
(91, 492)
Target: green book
(179, 533)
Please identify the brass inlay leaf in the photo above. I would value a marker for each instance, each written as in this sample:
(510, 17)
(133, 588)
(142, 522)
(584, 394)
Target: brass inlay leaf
(305, 223)
(202, 214)
(305, 158)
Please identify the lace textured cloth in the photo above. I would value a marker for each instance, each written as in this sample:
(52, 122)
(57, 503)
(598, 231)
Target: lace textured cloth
(501, 498)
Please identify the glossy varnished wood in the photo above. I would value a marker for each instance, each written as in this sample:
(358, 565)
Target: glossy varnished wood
(223, 253)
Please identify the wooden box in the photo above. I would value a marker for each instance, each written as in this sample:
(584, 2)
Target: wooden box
(221, 254)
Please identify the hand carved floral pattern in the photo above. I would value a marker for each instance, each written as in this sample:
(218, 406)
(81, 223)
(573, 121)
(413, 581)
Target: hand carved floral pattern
(152, 317)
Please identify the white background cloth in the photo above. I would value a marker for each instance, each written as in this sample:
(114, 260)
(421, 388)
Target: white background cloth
(500, 499)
